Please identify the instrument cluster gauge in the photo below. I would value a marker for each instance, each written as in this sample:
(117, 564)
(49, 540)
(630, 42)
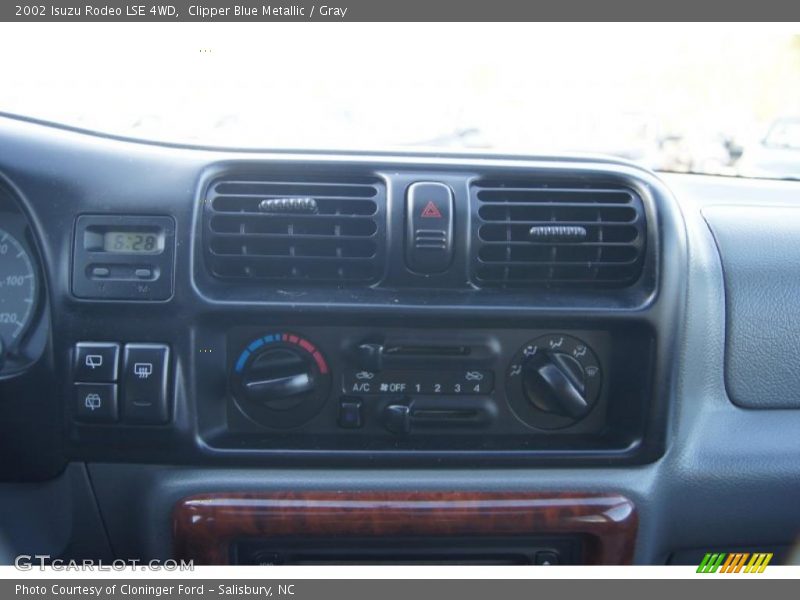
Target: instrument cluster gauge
(18, 293)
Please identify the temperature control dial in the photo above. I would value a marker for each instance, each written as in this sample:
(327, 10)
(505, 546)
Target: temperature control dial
(554, 381)
(281, 380)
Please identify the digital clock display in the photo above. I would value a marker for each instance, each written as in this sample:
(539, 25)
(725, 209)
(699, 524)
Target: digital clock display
(139, 242)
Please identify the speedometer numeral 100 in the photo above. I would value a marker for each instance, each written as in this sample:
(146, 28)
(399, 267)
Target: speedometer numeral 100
(17, 288)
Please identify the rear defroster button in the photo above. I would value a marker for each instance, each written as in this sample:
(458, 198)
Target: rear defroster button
(145, 384)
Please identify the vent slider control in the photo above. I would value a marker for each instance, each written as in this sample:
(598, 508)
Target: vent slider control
(306, 206)
(557, 233)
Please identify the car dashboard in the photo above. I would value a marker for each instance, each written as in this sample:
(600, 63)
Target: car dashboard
(391, 356)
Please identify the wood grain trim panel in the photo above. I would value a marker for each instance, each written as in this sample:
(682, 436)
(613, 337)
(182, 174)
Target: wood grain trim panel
(205, 525)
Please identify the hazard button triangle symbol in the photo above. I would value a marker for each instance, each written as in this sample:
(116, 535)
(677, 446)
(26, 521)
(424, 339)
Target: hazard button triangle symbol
(430, 211)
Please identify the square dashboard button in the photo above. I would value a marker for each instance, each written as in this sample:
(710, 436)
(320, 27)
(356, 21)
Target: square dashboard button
(145, 394)
(96, 402)
(96, 362)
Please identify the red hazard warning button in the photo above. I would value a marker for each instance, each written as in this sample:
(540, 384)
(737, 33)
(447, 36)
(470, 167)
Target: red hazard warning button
(431, 211)
(429, 227)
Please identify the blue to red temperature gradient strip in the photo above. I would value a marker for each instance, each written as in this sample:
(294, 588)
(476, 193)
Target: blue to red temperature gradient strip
(285, 338)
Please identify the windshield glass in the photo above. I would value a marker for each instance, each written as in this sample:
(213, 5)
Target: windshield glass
(699, 99)
(784, 134)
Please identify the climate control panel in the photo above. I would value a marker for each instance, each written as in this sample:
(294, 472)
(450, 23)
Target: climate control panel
(390, 389)
(309, 392)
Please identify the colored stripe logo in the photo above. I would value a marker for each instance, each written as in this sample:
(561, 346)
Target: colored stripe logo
(734, 562)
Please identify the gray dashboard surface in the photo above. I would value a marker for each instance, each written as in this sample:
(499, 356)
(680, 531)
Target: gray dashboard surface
(760, 250)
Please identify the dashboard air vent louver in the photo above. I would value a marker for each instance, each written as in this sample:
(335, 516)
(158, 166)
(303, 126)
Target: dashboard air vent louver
(557, 235)
(298, 228)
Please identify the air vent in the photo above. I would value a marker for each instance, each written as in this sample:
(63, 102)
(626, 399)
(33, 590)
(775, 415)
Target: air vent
(557, 235)
(304, 229)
